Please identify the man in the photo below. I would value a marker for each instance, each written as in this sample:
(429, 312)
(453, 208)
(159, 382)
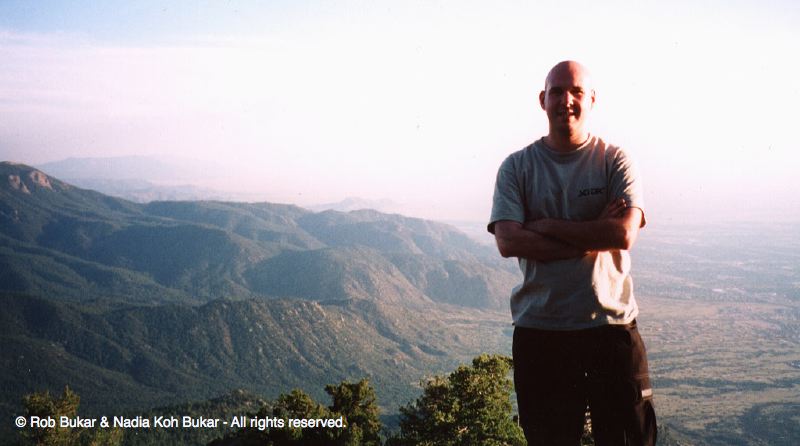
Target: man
(569, 206)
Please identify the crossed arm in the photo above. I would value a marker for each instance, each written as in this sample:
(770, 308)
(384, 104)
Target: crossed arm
(551, 239)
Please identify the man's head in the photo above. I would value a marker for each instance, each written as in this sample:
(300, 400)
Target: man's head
(567, 98)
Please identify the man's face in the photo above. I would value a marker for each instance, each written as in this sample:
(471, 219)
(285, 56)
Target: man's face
(567, 99)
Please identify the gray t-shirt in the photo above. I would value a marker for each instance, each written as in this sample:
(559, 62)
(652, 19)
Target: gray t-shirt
(538, 182)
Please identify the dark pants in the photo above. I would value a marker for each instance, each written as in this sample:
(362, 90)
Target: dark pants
(557, 373)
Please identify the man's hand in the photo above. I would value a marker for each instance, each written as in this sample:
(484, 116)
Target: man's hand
(615, 209)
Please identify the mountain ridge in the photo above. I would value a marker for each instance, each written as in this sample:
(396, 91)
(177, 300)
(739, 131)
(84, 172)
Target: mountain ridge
(210, 249)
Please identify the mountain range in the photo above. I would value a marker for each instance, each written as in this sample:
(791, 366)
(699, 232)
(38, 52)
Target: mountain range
(135, 305)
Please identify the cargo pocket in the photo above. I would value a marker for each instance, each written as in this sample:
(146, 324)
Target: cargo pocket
(642, 429)
(643, 389)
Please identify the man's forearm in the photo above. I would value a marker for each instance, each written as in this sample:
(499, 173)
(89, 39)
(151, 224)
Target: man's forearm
(595, 235)
(515, 241)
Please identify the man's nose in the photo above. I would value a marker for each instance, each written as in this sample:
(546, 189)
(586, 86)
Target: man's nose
(566, 98)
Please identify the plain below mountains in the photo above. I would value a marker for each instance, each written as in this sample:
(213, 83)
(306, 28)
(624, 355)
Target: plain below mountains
(169, 301)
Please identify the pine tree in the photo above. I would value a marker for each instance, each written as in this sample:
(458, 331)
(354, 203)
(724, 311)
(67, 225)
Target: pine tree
(356, 402)
(299, 405)
(42, 405)
(470, 406)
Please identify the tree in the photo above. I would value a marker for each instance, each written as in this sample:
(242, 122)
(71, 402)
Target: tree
(470, 406)
(42, 405)
(298, 405)
(356, 402)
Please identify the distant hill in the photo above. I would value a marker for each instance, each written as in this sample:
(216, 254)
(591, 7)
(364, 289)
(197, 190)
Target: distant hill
(142, 168)
(141, 191)
(143, 179)
(357, 204)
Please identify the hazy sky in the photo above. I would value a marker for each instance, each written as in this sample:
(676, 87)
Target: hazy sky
(418, 102)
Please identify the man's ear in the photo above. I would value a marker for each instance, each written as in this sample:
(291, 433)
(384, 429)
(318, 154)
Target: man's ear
(541, 99)
(594, 97)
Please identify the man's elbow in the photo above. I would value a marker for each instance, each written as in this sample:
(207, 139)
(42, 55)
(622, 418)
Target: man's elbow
(505, 248)
(627, 238)
(629, 229)
(626, 243)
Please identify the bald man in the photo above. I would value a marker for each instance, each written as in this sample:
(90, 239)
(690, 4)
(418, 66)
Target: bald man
(569, 207)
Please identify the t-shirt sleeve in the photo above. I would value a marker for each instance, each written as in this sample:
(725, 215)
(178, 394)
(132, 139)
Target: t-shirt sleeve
(507, 203)
(625, 182)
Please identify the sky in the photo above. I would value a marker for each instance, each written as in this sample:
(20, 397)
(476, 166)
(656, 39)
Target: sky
(416, 102)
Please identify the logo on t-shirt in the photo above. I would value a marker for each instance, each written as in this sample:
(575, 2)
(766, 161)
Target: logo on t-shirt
(591, 191)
